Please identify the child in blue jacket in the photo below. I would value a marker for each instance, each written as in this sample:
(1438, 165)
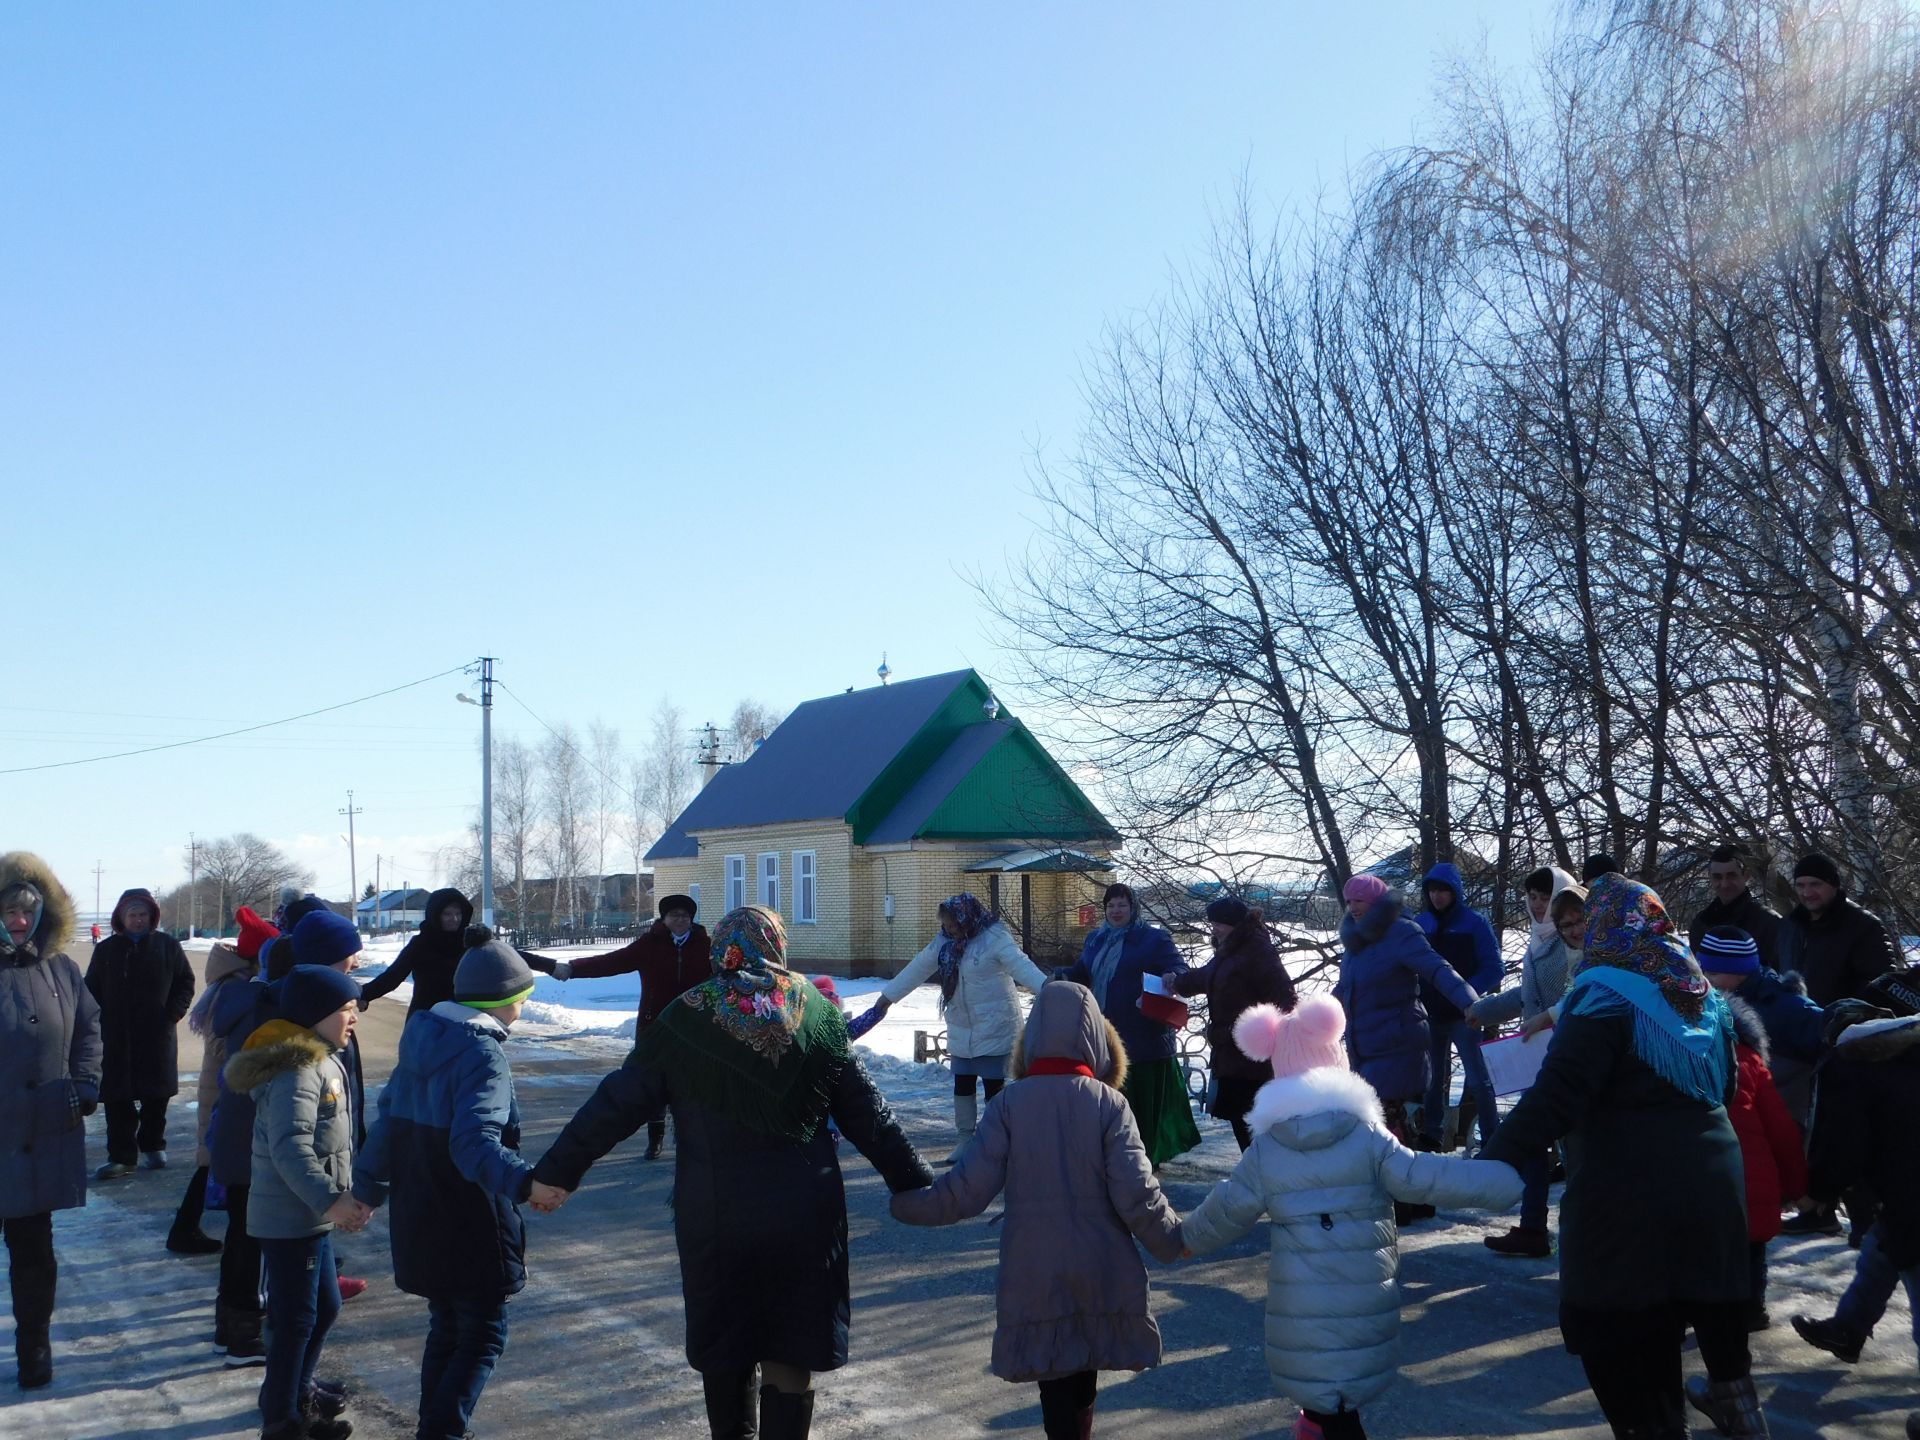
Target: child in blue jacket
(1465, 941)
(445, 1150)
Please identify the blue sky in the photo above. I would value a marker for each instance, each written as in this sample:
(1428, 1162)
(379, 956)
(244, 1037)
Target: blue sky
(688, 351)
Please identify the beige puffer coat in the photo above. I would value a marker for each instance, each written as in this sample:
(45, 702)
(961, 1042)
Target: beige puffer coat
(1072, 1291)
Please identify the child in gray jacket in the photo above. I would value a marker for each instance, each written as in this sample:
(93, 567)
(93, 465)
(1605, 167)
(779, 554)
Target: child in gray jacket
(1325, 1172)
(302, 1179)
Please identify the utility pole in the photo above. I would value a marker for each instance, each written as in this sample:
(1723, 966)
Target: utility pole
(377, 893)
(485, 702)
(97, 872)
(193, 884)
(353, 865)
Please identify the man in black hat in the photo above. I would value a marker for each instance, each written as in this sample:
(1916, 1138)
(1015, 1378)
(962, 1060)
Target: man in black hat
(672, 957)
(1837, 945)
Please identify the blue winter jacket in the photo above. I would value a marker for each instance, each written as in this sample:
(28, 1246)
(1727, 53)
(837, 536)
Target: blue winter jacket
(238, 1011)
(1792, 1021)
(1146, 950)
(446, 1143)
(1387, 961)
(1463, 939)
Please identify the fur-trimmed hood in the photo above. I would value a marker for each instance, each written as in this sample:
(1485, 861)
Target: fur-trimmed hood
(1315, 1108)
(1747, 1027)
(54, 927)
(1065, 1023)
(276, 1048)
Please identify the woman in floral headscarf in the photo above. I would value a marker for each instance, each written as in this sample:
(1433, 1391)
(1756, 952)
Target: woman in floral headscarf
(1653, 1223)
(977, 964)
(752, 1062)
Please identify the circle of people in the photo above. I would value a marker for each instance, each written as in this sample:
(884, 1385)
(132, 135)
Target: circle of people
(1760, 1060)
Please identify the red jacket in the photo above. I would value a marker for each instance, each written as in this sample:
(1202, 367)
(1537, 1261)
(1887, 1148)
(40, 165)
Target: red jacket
(1770, 1145)
(666, 970)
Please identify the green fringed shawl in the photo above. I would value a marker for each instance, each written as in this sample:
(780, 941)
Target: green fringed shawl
(758, 1073)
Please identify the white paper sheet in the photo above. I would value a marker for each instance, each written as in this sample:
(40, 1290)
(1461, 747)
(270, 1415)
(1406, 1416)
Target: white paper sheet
(1513, 1063)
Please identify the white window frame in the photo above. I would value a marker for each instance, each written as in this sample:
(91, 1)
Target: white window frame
(735, 869)
(806, 887)
(693, 894)
(769, 875)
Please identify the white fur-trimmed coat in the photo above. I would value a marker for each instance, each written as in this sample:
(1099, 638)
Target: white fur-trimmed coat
(1325, 1171)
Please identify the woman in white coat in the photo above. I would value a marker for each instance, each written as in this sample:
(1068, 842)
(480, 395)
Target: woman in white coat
(977, 964)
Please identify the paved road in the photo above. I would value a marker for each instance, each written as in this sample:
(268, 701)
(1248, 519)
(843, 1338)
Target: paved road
(596, 1343)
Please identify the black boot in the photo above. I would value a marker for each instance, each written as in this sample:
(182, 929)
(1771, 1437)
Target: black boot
(785, 1416)
(35, 1354)
(731, 1404)
(33, 1286)
(244, 1346)
(186, 1238)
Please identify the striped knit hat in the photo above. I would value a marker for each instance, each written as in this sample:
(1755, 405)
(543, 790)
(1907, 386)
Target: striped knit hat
(1727, 950)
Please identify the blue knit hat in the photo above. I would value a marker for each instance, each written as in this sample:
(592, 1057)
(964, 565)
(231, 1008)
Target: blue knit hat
(324, 938)
(310, 993)
(1728, 950)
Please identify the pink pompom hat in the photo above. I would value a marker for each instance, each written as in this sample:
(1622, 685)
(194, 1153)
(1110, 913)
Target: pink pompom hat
(1307, 1038)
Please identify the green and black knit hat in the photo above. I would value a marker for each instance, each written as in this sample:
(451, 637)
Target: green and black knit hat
(491, 974)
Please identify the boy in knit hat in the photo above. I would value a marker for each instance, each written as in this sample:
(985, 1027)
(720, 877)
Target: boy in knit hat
(1324, 1169)
(301, 1181)
(445, 1148)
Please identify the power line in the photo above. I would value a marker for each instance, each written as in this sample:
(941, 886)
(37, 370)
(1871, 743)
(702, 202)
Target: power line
(243, 730)
(584, 758)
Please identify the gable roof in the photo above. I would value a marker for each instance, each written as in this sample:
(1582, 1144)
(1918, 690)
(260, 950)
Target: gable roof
(886, 760)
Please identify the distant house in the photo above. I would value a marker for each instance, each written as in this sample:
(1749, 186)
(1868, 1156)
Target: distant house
(862, 811)
(392, 910)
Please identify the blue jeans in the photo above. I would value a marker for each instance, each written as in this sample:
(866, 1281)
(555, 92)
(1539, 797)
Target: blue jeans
(1446, 1037)
(1874, 1277)
(464, 1341)
(303, 1297)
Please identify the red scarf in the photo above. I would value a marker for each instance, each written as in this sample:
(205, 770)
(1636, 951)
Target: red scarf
(1060, 1065)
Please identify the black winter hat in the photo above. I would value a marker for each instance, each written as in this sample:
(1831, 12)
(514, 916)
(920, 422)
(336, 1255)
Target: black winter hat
(1599, 863)
(310, 993)
(678, 902)
(1228, 910)
(1816, 866)
(298, 910)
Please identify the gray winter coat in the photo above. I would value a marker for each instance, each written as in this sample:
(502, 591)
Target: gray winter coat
(49, 1056)
(1072, 1290)
(983, 1017)
(302, 1130)
(1325, 1171)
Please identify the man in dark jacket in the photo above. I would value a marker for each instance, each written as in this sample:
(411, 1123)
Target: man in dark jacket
(1862, 1127)
(1835, 944)
(1734, 904)
(672, 957)
(1466, 942)
(143, 982)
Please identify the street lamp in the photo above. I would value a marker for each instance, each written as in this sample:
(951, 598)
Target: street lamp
(485, 702)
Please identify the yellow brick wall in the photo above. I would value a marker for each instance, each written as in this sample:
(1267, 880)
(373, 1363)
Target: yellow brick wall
(826, 944)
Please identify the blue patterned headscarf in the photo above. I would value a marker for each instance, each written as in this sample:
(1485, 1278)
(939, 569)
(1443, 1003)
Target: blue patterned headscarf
(1681, 1028)
(969, 918)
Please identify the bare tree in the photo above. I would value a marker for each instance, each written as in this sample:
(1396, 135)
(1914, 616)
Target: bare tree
(752, 722)
(565, 798)
(516, 814)
(666, 780)
(606, 796)
(241, 870)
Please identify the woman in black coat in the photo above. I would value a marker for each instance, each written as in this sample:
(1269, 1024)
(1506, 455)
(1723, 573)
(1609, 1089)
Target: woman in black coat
(1653, 1224)
(752, 1063)
(430, 957)
(1245, 971)
(143, 982)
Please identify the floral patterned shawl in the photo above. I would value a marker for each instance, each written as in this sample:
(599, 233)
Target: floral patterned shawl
(756, 1041)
